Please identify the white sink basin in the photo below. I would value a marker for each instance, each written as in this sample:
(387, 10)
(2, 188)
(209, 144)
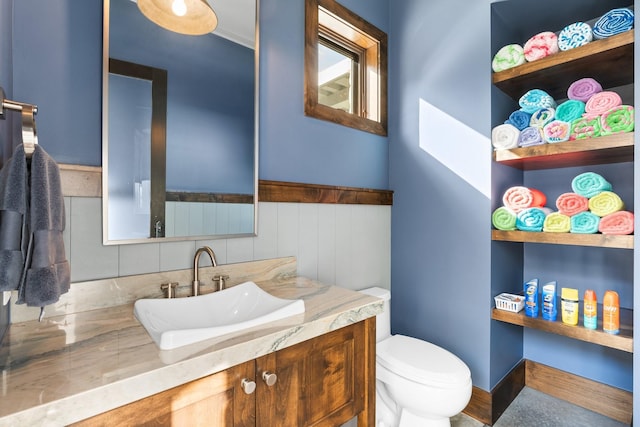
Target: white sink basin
(177, 322)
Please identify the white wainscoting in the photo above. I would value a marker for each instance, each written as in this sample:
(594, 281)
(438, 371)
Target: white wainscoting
(200, 219)
(347, 245)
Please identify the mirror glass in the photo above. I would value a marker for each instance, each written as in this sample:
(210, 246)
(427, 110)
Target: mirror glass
(179, 149)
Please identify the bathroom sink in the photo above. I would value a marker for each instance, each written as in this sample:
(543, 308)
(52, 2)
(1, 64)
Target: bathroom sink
(176, 322)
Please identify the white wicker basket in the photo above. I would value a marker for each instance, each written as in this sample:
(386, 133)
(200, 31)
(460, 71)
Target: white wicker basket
(509, 302)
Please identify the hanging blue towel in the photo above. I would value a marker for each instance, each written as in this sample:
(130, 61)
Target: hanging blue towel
(46, 271)
(614, 22)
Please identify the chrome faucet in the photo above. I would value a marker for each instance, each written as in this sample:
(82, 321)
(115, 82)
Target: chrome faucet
(196, 259)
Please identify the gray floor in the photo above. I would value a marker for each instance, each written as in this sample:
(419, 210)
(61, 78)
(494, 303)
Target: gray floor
(532, 408)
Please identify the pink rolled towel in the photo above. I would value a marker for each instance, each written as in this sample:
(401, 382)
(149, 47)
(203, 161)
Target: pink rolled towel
(518, 198)
(619, 223)
(583, 89)
(571, 204)
(601, 102)
(541, 45)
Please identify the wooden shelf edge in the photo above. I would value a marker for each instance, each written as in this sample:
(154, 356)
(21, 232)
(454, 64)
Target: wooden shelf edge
(622, 341)
(597, 240)
(588, 50)
(616, 148)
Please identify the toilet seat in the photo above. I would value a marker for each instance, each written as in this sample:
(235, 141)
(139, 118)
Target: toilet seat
(422, 362)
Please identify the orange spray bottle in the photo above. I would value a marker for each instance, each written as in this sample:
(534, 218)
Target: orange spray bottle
(611, 312)
(590, 309)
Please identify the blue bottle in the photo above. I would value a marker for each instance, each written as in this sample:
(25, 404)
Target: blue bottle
(549, 308)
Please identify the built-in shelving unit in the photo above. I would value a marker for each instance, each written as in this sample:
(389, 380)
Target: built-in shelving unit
(622, 341)
(610, 62)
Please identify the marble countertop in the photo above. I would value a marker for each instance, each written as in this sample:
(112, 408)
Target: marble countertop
(71, 367)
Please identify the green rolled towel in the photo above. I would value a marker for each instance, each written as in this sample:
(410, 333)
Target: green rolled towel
(504, 219)
(605, 203)
(585, 127)
(570, 110)
(617, 120)
(556, 222)
(508, 56)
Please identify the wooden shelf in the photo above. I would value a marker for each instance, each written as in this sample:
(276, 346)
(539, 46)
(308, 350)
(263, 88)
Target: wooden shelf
(616, 148)
(599, 240)
(609, 61)
(622, 341)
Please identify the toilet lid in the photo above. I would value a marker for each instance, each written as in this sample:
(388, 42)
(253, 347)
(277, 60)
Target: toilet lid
(421, 361)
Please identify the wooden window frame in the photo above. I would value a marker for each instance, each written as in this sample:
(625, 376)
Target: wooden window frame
(373, 77)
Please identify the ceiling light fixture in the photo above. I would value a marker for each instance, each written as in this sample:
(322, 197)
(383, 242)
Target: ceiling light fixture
(192, 17)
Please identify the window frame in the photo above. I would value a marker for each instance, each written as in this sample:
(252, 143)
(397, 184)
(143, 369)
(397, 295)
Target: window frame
(372, 90)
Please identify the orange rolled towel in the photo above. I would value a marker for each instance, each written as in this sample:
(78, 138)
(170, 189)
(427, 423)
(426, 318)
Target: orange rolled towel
(620, 222)
(571, 203)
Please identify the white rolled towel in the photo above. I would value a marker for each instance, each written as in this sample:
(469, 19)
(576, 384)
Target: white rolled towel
(505, 136)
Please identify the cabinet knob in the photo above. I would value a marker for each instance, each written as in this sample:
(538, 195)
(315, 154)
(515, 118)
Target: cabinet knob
(248, 386)
(269, 378)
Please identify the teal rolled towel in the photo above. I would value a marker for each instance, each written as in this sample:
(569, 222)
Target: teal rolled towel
(570, 110)
(585, 223)
(531, 219)
(589, 184)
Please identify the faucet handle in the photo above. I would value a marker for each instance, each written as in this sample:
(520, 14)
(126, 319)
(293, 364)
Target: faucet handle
(170, 289)
(219, 279)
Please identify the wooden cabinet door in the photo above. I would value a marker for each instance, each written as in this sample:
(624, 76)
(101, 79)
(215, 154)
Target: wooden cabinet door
(216, 400)
(324, 381)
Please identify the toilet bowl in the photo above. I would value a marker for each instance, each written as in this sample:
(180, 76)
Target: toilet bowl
(418, 384)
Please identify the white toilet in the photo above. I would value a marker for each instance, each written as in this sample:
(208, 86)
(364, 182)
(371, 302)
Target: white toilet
(418, 384)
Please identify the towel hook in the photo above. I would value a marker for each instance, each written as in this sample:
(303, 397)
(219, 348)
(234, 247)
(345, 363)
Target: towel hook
(28, 112)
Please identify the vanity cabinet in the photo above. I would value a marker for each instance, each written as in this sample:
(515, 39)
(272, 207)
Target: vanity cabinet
(324, 381)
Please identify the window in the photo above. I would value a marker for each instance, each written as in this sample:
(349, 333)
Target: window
(345, 68)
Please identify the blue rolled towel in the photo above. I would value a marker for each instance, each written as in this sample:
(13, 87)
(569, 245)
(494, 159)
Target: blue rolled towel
(530, 219)
(590, 184)
(614, 22)
(519, 119)
(585, 223)
(574, 35)
(536, 99)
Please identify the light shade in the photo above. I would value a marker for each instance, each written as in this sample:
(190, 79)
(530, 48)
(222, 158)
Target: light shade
(199, 17)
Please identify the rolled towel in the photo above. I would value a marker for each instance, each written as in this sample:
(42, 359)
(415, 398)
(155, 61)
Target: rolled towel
(585, 127)
(571, 204)
(504, 219)
(556, 131)
(519, 119)
(614, 22)
(602, 102)
(617, 223)
(541, 45)
(530, 136)
(605, 203)
(619, 119)
(570, 110)
(534, 100)
(574, 35)
(583, 89)
(505, 136)
(508, 56)
(541, 117)
(557, 223)
(539, 198)
(585, 223)
(530, 219)
(517, 198)
(589, 184)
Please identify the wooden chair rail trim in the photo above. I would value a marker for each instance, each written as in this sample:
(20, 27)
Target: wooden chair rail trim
(294, 192)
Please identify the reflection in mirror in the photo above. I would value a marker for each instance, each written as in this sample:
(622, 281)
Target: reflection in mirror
(195, 176)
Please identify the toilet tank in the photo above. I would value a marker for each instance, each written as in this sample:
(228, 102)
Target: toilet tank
(383, 320)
